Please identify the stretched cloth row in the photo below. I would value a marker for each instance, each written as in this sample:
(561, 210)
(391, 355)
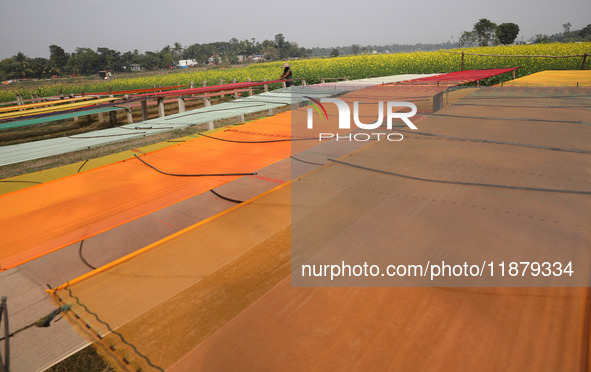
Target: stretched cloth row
(458, 77)
(45, 103)
(562, 78)
(16, 115)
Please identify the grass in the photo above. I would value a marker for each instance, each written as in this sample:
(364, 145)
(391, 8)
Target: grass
(86, 360)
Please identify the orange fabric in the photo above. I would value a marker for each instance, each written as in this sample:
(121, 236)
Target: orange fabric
(47, 217)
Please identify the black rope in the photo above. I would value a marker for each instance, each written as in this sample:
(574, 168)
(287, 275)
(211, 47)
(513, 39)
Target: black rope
(83, 164)
(108, 135)
(193, 175)
(515, 106)
(113, 331)
(264, 141)
(307, 162)
(226, 198)
(462, 183)
(499, 142)
(145, 128)
(20, 181)
(525, 97)
(516, 119)
(82, 257)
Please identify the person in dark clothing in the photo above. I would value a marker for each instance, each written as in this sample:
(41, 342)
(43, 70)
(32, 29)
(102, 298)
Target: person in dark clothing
(287, 74)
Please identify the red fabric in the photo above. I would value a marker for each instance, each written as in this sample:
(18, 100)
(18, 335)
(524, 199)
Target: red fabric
(458, 77)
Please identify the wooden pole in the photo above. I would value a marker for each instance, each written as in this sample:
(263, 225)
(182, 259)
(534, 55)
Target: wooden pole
(4, 309)
(113, 117)
(207, 103)
(181, 102)
(462, 61)
(584, 60)
(144, 105)
(128, 111)
(161, 112)
(266, 86)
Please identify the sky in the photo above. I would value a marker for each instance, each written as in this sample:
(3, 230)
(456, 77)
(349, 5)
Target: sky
(31, 26)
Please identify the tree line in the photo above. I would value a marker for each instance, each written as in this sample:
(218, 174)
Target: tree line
(85, 61)
(486, 32)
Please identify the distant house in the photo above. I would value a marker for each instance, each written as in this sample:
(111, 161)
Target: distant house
(134, 67)
(258, 57)
(184, 63)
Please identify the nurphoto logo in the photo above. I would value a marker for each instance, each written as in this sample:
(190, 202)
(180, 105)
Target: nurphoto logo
(345, 119)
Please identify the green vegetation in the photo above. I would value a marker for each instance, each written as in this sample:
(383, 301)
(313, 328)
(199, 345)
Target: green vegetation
(352, 67)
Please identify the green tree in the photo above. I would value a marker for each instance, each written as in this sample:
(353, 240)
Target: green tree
(58, 58)
(109, 59)
(9, 69)
(84, 61)
(585, 32)
(280, 44)
(507, 33)
(334, 53)
(177, 51)
(485, 31)
(355, 49)
(467, 38)
(540, 39)
(22, 62)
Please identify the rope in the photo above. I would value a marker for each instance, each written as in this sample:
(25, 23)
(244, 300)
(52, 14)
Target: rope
(20, 181)
(307, 162)
(498, 142)
(108, 135)
(538, 107)
(264, 141)
(112, 330)
(83, 164)
(462, 183)
(516, 119)
(43, 322)
(506, 55)
(226, 198)
(193, 175)
(82, 257)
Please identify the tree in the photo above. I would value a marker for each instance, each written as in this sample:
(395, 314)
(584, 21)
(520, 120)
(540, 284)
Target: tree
(22, 61)
(467, 38)
(84, 61)
(9, 69)
(109, 59)
(585, 32)
(271, 53)
(334, 53)
(540, 39)
(485, 31)
(355, 49)
(507, 33)
(280, 44)
(58, 58)
(177, 51)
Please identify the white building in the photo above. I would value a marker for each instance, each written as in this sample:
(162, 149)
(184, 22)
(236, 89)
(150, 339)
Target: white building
(184, 63)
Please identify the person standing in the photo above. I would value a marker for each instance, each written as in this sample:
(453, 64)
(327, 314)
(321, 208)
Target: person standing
(287, 74)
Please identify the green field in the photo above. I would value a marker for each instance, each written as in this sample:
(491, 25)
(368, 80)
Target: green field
(353, 67)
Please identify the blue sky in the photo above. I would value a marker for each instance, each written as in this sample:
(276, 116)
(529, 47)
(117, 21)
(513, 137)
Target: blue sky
(30, 26)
